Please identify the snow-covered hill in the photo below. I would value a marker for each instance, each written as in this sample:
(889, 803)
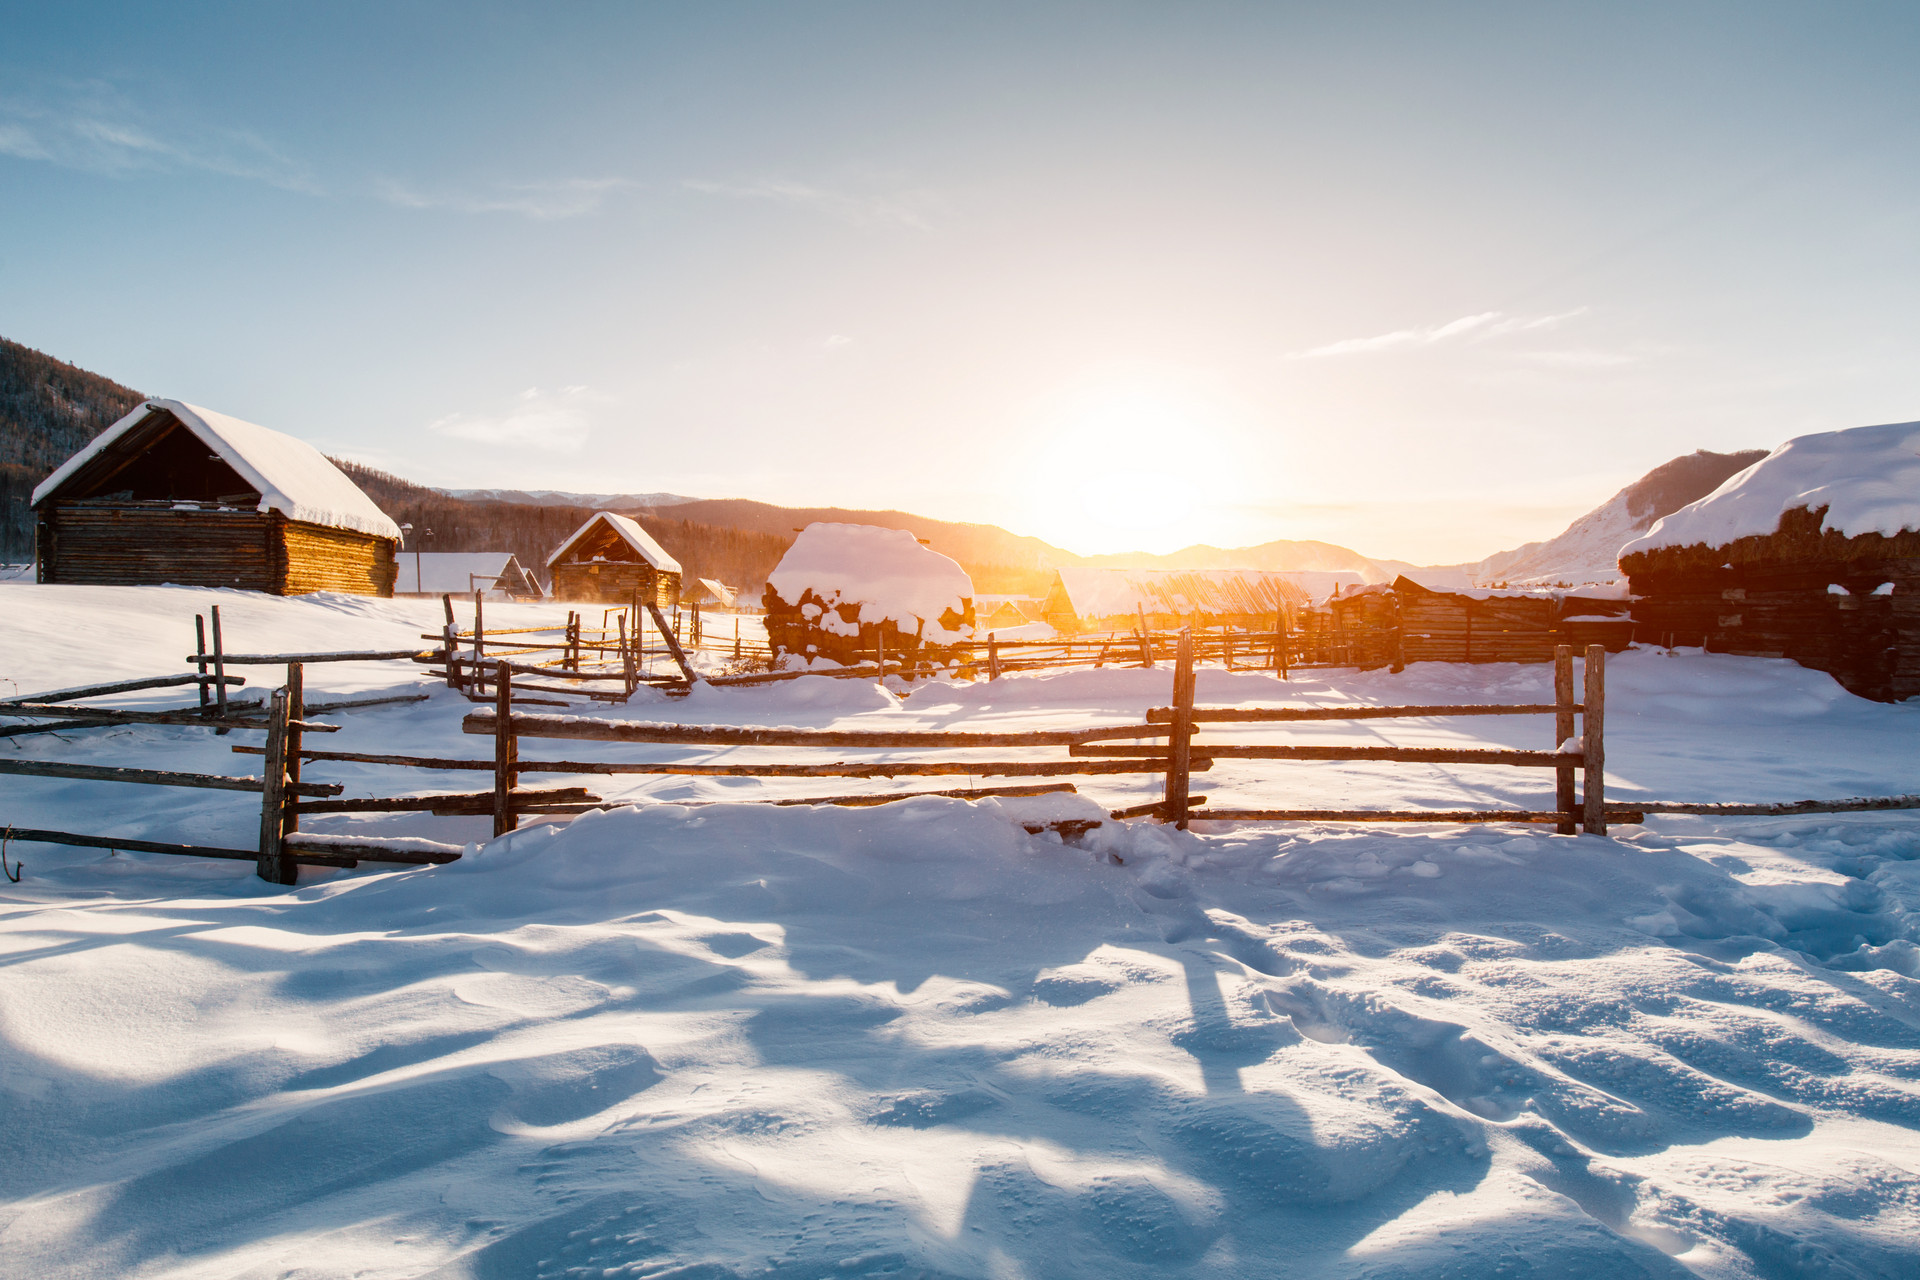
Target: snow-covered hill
(557, 498)
(1587, 551)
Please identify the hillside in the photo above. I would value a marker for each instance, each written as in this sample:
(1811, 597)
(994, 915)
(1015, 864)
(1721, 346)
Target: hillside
(48, 410)
(1586, 551)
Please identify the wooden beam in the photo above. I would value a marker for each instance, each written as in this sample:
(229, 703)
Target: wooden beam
(118, 686)
(39, 836)
(1405, 755)
(281, 659)
(589, 728)
(464, 801)
(1593, 783)
(273, 866)
(109, 715)
(1255, 715)
(1564, 710)
(1179, 748)
(1408, 815)
(154, 777)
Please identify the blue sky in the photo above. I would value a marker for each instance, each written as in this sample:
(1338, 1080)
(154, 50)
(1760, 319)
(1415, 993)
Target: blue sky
(1427, 280)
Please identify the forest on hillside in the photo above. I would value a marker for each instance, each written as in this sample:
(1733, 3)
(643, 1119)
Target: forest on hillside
(48, 410)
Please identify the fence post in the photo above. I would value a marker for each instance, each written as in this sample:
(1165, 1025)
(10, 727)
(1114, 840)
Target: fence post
(1146, 653)
(1563, 730)
(1593, 723)
(219, 672)
(479, 648)
(296, 712)
(631, 679)
(506, 752)
(200, 662)
(993, 656)
(273, 866)
(452, 634)
(1180, 740)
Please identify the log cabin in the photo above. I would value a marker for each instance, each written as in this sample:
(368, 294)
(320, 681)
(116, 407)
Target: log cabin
(1084, 600)
(847, 592)
(611, 560)
(1392, 625)
(1812, 554)
(173, 493)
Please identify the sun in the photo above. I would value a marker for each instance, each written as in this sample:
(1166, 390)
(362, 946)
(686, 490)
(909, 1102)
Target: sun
(1131, 466)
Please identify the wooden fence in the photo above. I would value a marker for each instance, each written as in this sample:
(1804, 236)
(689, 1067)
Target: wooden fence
(1163, 744)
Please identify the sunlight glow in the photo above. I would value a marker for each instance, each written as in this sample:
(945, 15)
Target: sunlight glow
(1134, 464)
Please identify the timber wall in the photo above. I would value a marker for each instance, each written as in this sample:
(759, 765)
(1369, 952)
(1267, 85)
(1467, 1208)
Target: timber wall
(615, 582)
(132, 544)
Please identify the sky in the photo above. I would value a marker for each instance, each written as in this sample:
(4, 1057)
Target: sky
(1424, 280)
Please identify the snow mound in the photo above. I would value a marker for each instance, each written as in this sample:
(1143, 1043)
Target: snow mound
(1867, 478)
(886, 572)
(291, 476)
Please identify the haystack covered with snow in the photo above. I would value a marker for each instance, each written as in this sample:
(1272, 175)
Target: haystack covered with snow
(1812, 553)
(176, 493)
(844, 590)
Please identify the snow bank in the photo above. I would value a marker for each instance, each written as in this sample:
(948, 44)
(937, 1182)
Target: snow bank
(886, 572)
(457, 572)
(1867, 478)
(291, 476)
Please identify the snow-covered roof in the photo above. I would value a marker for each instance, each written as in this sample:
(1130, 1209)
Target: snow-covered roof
(291, 476)
(719, 590)
(629, 531)
(458, 572)
(1107, 593)
(1868, 479)
(886, 571)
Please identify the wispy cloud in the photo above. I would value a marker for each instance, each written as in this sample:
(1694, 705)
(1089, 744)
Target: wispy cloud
(94, 127)
(1474, 328)
(914, 210)
(555, 420)
(560, 198)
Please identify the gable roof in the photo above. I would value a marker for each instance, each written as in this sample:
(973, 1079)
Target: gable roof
(630, 532)
(291, 476)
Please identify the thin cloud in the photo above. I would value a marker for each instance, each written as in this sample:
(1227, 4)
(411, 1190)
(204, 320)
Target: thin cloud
(92, 126)
(543, 201)
(1474, 328)
(558, 421)
(910, 210)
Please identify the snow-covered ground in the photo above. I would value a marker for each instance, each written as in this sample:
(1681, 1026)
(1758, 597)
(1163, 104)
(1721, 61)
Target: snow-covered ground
(721, 1040)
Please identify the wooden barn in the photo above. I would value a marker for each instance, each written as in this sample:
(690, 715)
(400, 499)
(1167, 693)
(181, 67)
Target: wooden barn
(433, 573)
(711, 593)
(1083, 600)
(1392, 625)
(1812, 553)
(845, 592)
(173, 493)
(610, 560)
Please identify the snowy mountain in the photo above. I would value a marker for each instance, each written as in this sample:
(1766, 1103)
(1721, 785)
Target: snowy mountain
(1587, 550)
(1283, 555)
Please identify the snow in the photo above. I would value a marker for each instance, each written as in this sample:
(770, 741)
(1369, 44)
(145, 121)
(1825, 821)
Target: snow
(886, 572)
(630, 531)
(291, 476)
(1867, 479)
(700, 1037)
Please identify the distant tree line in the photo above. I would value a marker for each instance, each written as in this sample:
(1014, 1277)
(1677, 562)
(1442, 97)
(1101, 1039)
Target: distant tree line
(49, 409)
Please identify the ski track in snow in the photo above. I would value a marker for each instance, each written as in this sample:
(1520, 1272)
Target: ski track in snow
(916, 1041)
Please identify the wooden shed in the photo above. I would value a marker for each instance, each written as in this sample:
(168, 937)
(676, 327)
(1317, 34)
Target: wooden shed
(1391, 625)
(711, 593)
(1082, 600)
(844, 592)
(611, 560)
(1812, 553)
(173, 493)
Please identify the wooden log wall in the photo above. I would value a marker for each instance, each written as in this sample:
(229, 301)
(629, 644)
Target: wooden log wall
(614, 582)
(150, 543)
(791, 630)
